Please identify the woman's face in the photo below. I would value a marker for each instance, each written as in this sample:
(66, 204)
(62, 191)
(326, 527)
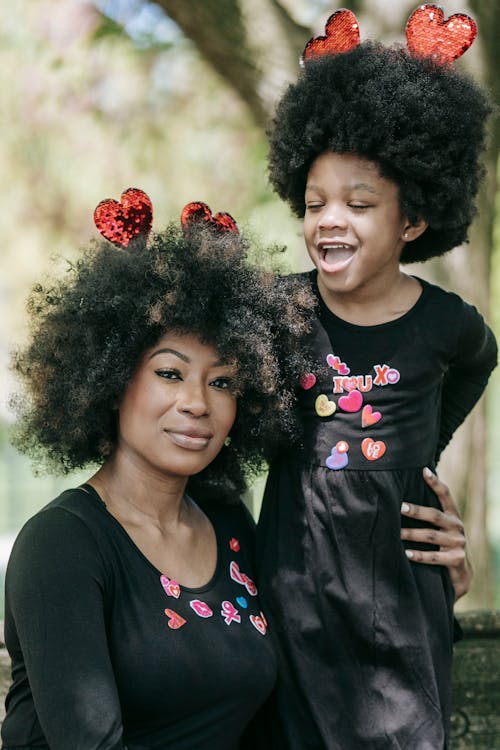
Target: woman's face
(178, 408)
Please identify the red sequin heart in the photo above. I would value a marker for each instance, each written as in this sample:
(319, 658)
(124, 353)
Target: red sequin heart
(429, 35)
(122, 221)
(198, 211)
(341, 35)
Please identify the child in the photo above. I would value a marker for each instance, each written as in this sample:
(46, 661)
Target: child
(378, 149)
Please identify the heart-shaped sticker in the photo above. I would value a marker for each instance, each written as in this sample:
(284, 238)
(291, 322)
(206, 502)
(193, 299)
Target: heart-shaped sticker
(429, 35)
(241, 600)
(324, 407)
(373, 449)
(369, 417)
(341, 35)
(307, 381)
(170, 587)
(122, 221)
(175, 621)
(197, 211)
(334, 362)
(337, 459)
(352, 402)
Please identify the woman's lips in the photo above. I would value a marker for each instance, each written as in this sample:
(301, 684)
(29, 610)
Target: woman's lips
(194, 441)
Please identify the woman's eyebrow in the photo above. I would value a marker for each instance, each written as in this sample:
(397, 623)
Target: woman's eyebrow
(183, 357)
(166, 350)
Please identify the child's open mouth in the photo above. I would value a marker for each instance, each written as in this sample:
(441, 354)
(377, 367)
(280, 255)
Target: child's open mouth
(335, 255)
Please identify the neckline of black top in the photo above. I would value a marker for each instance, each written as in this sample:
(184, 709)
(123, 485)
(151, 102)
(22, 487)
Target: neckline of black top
(90, 490)
(325, 311)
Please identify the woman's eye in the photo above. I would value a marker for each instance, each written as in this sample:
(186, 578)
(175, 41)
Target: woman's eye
(223, 383)
(169, 374)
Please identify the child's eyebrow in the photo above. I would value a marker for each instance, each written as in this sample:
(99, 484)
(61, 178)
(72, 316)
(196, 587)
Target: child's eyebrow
(364, 186)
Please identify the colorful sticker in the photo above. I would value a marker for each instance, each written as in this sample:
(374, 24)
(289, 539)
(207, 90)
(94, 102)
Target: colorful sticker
(352, 402)
(324, 407)
(369, 417)
(175, 621)
(338, 459)
(373, 449)
(386, 375)
(234, 545)
(242, 601)
(229, 613)
(259, 623)
(308, 380)
(170, 587)
(239, 577)
(201, 608)
(335, 363)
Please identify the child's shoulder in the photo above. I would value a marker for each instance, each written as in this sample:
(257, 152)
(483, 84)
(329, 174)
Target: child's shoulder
(444, 300)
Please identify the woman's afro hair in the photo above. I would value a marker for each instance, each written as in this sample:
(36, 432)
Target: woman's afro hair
(91, 328)
(421, 122)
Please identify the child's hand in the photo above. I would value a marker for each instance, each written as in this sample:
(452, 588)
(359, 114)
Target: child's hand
(449, 535)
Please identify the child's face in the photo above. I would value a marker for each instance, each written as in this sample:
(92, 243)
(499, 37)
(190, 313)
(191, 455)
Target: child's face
(353, 227)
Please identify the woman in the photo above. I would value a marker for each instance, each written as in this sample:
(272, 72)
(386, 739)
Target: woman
(132, 617)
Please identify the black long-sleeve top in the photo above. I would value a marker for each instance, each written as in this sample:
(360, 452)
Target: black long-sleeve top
(108, 653)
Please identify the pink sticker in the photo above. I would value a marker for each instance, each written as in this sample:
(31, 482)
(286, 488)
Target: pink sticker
(229, 613)
(201, 608)
(175, 621)
(259, 623)
(234, 545)
(369, 417)
(239, 577)
(308, 380)
(352, 402)
(170, 587)
(335, 363)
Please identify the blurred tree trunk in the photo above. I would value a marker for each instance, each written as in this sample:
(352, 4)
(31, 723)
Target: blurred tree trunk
(468, 270)
(254, 45)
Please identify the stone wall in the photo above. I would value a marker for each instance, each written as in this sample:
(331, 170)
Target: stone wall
(476, 682)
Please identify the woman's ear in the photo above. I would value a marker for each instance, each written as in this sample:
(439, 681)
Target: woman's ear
(412, 231)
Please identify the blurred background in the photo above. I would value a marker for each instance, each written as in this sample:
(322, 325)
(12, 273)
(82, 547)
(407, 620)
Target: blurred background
(173, 97)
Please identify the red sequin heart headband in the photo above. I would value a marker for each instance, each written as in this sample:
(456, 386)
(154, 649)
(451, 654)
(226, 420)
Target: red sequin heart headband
(130, 219)
(428, 34)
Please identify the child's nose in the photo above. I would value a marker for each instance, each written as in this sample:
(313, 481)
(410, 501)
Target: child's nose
(333, 215)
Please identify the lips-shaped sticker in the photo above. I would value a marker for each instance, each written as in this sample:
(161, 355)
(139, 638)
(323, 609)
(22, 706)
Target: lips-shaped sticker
(201, 608)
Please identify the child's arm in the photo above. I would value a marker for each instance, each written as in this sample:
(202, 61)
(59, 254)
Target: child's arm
(449, 535)
(475, 358)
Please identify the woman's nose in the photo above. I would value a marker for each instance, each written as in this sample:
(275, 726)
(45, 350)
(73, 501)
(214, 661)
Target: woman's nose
(193, 399)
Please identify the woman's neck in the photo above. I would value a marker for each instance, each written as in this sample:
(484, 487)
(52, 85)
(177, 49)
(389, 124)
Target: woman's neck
(137, 496)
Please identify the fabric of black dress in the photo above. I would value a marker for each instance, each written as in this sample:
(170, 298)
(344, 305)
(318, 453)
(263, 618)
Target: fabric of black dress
(109, 653)
(365, 636)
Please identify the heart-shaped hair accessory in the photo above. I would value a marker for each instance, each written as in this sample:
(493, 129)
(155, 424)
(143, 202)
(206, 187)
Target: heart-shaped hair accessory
(196, 211)
(341, 35)
(428, 34)
(123, 221)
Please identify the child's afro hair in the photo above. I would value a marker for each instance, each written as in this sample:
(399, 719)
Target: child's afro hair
(421, 122)
(91, 327)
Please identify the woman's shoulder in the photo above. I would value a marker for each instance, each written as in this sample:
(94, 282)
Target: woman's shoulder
(72, 518)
